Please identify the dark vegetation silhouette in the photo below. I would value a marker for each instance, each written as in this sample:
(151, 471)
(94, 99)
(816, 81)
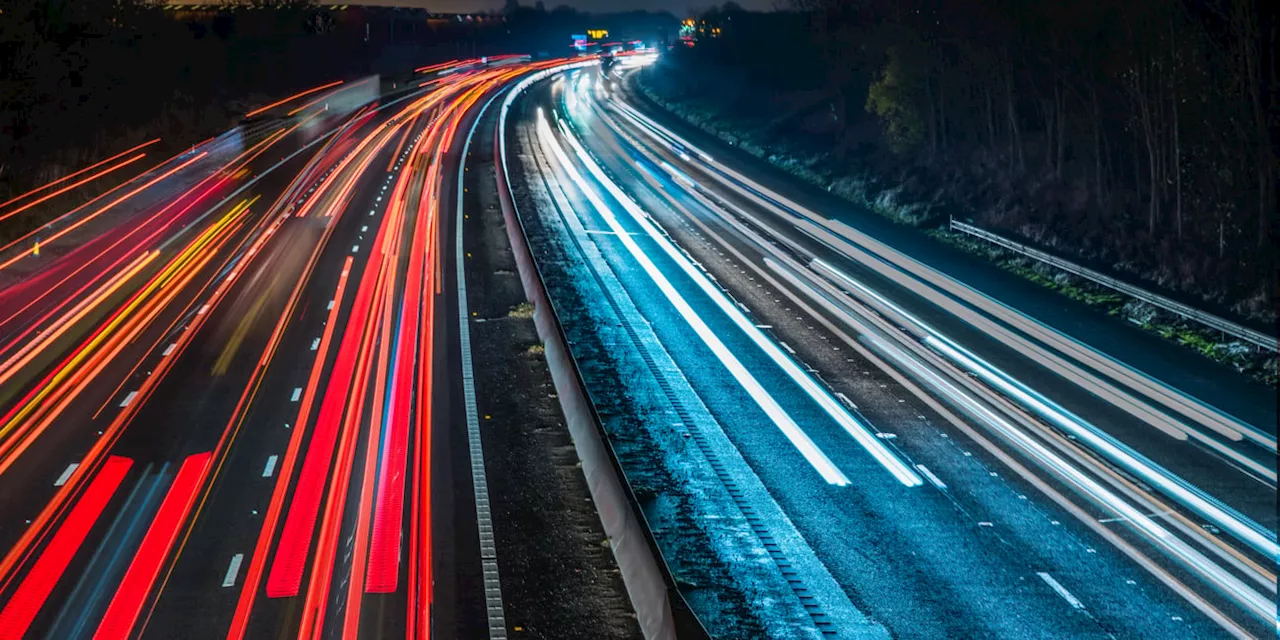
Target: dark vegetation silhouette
(1137, 135)
(81, 80)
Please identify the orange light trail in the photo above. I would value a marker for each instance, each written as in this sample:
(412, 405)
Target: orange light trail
(4, 373)
(434, 67)
(131, 594)
(253, 578)
(18, 613)
(71, 186)
(113, 203)
(91, 461)
(292, 98)
(72, 175)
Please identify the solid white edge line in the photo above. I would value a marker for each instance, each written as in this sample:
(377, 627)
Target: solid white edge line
(792, 431)
(484, 514)
(861, 432)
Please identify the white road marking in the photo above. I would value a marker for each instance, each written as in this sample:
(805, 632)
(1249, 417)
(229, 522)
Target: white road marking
(169, 349)
(1157, 514)
(315, 344)
(329, 306)
(355, 248)
(937, 482)
(271, 466)
(129, 398)
(233, 570)
(203, 309)
(297, 393)
(66, 475)
(1062, 591)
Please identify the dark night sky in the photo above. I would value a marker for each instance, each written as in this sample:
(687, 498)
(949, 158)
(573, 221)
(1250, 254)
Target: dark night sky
(678, 7)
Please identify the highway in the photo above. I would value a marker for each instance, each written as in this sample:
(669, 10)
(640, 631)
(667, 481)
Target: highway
(238, 399)
(229, 399)
(930, 448)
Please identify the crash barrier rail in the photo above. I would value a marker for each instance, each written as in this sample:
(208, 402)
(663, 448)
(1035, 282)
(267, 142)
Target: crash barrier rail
(1227, 327)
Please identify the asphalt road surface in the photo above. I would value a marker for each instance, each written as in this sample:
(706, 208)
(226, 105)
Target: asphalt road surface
(229, 388)
(235, 398)
(965, 456)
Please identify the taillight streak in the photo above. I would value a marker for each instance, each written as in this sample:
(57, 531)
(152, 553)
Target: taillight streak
(285, 578)
(109, 206)
(248, 594)
(38, 528)
(111, 169)
(141, 575)
(18, 613)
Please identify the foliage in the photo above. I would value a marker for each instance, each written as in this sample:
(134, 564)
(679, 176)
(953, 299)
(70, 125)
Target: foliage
(1135, 135)
(893, 98)
(80, 80)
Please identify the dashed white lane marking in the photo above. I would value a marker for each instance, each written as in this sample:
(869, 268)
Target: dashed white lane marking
(203, 309)
(329, 306)
(355, 248)
(937, 482)
(297, 393)
(1156, 514)
(1062, 591)
(66, 475)
(271, 466)
(233, 570)
(788, 348)
(129, 398)
(315, 344)
(169, 349)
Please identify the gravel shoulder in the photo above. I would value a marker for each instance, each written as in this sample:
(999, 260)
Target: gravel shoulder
(559, 578)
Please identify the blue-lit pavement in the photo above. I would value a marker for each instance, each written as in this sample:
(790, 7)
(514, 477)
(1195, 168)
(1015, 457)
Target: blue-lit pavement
(941, 464)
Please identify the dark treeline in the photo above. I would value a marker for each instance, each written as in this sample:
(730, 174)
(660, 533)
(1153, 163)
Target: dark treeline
(80, 80)
(1137, 133)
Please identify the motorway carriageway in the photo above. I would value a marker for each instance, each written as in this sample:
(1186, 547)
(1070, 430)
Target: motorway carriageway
(958, 468)
(216, 382)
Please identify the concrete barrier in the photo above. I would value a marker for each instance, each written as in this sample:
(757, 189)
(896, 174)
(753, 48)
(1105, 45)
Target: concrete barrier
(660, 609)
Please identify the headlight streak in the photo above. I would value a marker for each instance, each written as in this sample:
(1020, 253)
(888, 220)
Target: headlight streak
(789, 428)
(860, 432)
(1225, 582)
(1123, 456)
(1219, 514)
(1155, 390)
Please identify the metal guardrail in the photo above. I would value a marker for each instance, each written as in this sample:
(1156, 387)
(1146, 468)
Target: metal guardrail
(1226, 326)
